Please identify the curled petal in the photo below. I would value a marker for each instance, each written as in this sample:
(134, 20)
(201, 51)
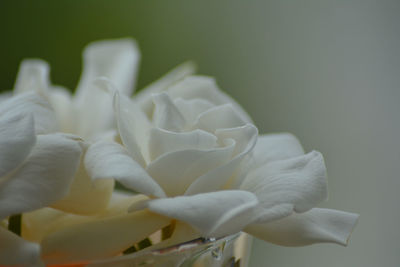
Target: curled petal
(133, 127)
(110, 160)
(271, 147)
(166, 115)
(296, 184)
(15, 251)
(17, 137)
(43, 178)
(162, 141)
(245, 138)
(175, 171)
(313, 226)
(219, 117)
(203, 87)
(213, 214)
(191, 109)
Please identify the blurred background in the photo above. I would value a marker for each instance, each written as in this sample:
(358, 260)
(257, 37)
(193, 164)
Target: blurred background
(327, 71)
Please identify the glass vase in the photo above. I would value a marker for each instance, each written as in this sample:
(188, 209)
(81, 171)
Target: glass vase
(232, 251)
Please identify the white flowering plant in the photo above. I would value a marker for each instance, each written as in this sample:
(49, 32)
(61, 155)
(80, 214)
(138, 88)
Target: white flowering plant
(87, 176)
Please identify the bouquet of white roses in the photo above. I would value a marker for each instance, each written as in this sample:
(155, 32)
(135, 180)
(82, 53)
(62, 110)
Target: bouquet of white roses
(186, 158)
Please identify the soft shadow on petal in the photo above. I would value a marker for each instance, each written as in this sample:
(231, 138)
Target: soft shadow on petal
(162, 141)
(33, 75)
(191, 109)
(133, 127)
(43, 178)
(106, 160)
(296, 184)
(245, 138)
(17, 138)
(271, 147)
(95, 194)
(175, 171)
(80, 243)
(31, 103)
(213, 214)
(42, 222)
(15, 251)
(204, 87)
(219, 117)
(166, 115)
(314, 226)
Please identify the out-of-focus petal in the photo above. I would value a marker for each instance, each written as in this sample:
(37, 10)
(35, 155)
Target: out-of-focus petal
(33, 75)
(80, 243)
(110, 160)
(17, 137)
(31, 103)
(245, 138)
(62, 103)
(39, 223)
(272, 147)
(43, 178)
(95, 194)
(15, 251)
(313, 226)
(296, 184)
(213, 214)
(115, 59)
(166, 115)
(162, 141)
(175, 171)
(204, 87)
(144, 96)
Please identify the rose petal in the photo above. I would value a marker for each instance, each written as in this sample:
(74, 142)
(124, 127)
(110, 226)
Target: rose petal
(203, 87)
(245, 138)
(272, 147)
(110, 160)
(115, 59)
(62, 102)
(162, 141)
(95, 194)
(214, 214)
(191, 109)
(313, 226)
(33, 75)
(133, 127)
(42, 222)
(144, 96)
(17, 137)
(31, 103)
(175, 171)
(166, 114)
(44, 177)
(14, 251)
(80, 243)
(219, 117)
(296, 184)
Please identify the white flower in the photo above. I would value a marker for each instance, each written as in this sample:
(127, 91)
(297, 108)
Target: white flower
(87, 113)
(35, 170)
(190, 149)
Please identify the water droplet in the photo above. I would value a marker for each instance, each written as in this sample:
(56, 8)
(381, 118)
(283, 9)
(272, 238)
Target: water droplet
(218, 251)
